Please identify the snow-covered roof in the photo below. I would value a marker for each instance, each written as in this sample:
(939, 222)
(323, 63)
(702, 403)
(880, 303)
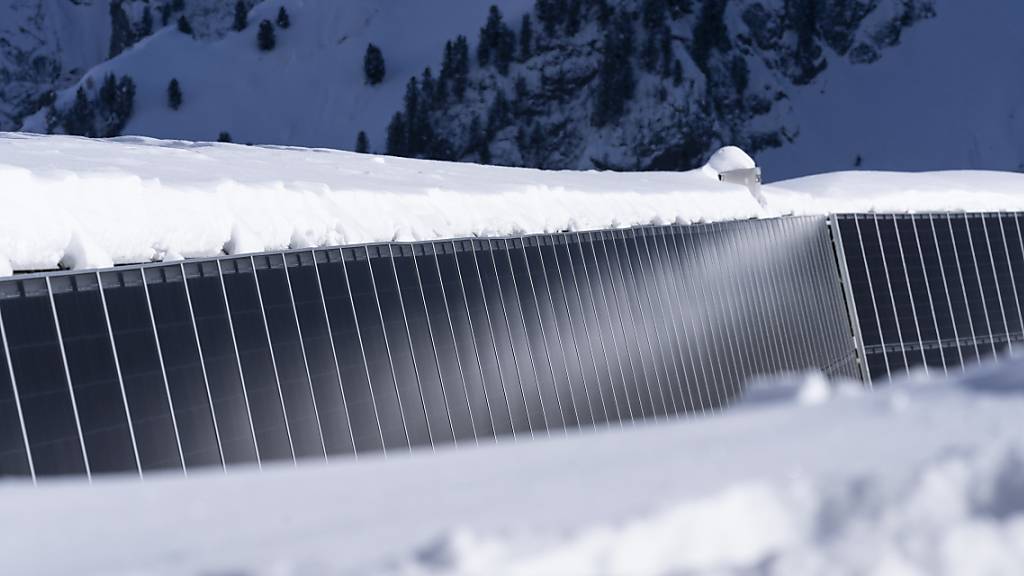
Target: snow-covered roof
(89, 203)
(82, 203)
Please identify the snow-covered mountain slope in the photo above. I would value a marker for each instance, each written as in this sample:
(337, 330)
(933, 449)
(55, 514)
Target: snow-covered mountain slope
(84, 203)
(310, 89)
(46, 45)
(948, 96)
(922, 477)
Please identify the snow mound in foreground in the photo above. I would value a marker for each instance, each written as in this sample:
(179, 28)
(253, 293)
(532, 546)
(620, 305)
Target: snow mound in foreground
(923, 477)
(960, 514)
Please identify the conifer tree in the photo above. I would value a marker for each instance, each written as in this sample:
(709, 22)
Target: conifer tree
(803, 18)
(116, 104)
(679, 8)
(362, 143)
(428, 88)
(649, 54)
(224, 137)
(499, 115)
(373, 65)
(522, 92)
(397, 138)
(460, 77)
(476, 135)
(485, 152)
(174, 94)
(146, 24)
(490, 37)
(667, 56)
(124, 106)
(573, 17)
(506, 50)
(525, 38)
(417, 123)
(121, 34)
(709, 33)
(536, 145)
(80, 118)
(448, 62)
(184, 26)
(241, 21)
(616, 82)
(739, 73)
(283, 19)
(654, 12)
(266, 39)
(108, 92)
(547, 14)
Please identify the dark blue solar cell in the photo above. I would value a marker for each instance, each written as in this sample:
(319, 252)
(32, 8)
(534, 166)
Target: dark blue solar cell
(352, 358)
(217, 347)
(468, 356)
(321, 362)
(186, 377)
(43, 388)
(259, 374)
(141, 370)
(376, 347)
(289, 357)
(450, 360)
(14, 459)
(95, 379)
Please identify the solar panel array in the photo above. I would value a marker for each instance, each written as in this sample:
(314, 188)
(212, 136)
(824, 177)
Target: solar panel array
(933, 291)
(327, 353)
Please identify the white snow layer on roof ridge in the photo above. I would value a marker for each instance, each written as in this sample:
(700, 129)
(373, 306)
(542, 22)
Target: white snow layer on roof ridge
(85, 203)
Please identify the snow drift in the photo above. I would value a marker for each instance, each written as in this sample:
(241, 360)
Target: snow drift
(921, 477)
(79, 203)
(88, 203)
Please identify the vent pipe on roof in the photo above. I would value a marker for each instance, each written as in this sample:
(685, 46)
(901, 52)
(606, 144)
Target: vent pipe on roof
(749, 177)
(734, 166)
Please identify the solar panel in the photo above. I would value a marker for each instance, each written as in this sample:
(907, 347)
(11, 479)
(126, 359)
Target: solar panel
(932, 291)
(309, 355)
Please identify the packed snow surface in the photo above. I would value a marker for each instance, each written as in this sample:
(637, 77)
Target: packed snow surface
(925, 476)
(80, 203)
(89, 203)
(729, 158)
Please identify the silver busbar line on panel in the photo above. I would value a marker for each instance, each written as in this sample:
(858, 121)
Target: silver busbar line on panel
(313, 355)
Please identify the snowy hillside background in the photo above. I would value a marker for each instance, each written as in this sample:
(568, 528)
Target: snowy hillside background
(804, 85)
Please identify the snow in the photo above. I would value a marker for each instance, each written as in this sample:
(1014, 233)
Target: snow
(87, 203)
(928, 103)
(865, 191)
(47, 44)
(309, 90)
(80, 203)
(920, 477)
(730, 158)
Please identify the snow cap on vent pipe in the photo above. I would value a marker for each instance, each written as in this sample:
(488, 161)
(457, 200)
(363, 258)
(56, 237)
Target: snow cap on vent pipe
(733, 165)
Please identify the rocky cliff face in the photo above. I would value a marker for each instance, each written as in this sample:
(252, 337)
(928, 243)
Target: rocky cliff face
(48, 45)
(638, 84)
